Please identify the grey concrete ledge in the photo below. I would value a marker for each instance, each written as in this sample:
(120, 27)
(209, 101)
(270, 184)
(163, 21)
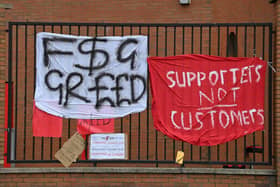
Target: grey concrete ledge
(121, 170)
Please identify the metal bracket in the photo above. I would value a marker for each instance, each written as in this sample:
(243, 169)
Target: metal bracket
(270, 64)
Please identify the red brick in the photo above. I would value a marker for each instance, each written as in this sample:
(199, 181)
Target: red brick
(42, 180)
(167, 11)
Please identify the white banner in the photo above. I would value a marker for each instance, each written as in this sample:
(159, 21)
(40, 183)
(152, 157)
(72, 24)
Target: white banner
(91, 78)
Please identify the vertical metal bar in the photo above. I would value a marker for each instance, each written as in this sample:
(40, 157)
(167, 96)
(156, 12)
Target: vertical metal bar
(165, 53)
(263, 57)
(183, 40)
(34, 83)
(209, 52)
(218, 48)
(79, 30)
(255, 52)
(165, 39)
(131, 29)
(85, 152)
(270, 80)
(263, 42)
(148, 34)
(16, 94)
(42, 139)
(122, 33)
(200, 52)
(209, 41)
(87, 136)
(148, 98)
(25, 91)
(139, 119)
(227, 40)
(192, 50)
(174, 53)
(130, 116)
(219, 40)
(245, 54)
(70, 29)
(254, 41)
(69, 127)
(114, 30)
(122, 30)
(192, 40)
(245, 41)
(96, 30)
(236, 148)
(69, 120)
(174, 40)
(105, 30)
(122, 124)
(183, 52)
(156, 149)
(60, 138)
(87, 30)
(227, 155)
(200, 39)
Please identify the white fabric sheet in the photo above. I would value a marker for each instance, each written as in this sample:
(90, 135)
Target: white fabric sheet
(67, 87)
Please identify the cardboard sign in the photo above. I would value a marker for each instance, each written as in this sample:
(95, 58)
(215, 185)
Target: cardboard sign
(71, 150)
(107, 146)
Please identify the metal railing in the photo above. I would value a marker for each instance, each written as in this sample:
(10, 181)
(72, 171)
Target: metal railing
(146, 146)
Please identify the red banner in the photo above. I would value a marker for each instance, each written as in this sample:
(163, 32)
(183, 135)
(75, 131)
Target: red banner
(207, 100)
(46, 125)
(91, 126)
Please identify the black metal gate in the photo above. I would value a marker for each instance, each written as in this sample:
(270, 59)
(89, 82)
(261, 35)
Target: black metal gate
(147, 147)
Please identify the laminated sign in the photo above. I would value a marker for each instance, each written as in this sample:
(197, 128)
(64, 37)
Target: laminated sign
(207, 100)
(90, 77)
(108, 146)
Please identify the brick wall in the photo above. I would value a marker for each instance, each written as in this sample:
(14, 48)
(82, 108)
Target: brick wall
(277, 92)
(164, 11)
(183, 180)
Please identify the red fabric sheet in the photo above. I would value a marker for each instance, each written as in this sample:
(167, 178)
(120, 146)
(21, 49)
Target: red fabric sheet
(46, 125)
(207, 100)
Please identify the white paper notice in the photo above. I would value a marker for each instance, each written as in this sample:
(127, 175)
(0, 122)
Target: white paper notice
(107, 146)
